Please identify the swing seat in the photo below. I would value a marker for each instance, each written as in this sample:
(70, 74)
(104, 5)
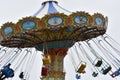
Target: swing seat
(81, 68)
(106, 70)
(46, 60)
(116, 73)
(94, 74)
(78, 76)
(44, 71)
(7, 71)
(98, 63)
(21, 76)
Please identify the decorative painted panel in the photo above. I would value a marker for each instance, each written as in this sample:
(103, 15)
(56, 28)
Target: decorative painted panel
(80, 19)
(28, 25)
(55, 21)
(8, 30)
(99, 20)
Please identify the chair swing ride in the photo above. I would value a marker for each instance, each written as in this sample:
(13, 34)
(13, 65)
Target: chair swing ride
(57, 32)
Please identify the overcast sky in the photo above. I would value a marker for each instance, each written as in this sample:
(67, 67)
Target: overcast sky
(13, 10)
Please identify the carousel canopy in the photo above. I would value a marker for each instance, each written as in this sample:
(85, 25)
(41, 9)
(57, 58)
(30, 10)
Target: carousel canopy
(52, 25)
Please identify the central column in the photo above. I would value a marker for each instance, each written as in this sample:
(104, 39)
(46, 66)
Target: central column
(56, 67)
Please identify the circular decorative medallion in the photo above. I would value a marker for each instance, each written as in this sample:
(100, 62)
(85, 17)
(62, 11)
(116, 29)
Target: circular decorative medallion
(8, 30)
(55, 21)
(98, 21)
(80, 19)
(28, 25)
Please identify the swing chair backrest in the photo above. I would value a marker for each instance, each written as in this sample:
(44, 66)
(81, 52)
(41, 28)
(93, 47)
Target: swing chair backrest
(82, 67)
(98, 62)
(44, 71)
(94, 74)
(78, 76)
(46, 60)
(105, 71)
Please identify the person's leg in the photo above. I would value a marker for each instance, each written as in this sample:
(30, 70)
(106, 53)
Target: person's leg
(3, 77)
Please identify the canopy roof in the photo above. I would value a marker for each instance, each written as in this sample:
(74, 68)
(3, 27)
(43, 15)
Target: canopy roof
(49, 7)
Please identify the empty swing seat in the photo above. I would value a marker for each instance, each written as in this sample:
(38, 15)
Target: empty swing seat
(44, 71)
(78, 76)
(98, 62)
(82, 67)
(106, 70)
(46, 60)
(21, 76)
(94, 74)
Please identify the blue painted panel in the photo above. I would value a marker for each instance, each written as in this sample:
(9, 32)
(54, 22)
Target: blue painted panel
(8, 30)
(28, 25)
(98, 21)
(80, 19)
(55, 21)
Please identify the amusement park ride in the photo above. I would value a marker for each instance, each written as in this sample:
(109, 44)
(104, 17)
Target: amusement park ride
(57, 32)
